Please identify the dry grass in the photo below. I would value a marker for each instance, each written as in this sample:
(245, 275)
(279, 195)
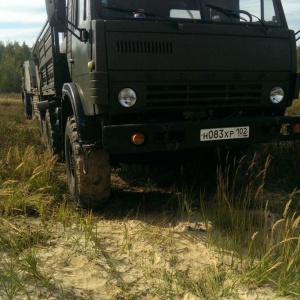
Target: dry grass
(196, 245)
(264, 244)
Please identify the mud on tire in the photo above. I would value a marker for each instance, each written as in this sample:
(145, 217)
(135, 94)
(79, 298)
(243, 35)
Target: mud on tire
(51, 137)
(27, 104)
(90, 188)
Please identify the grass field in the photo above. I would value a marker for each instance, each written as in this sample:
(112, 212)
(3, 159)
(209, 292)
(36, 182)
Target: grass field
(165, 234)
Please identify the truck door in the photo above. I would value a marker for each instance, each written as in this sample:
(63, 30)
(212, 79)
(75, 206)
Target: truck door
(81, 51)
(70, 17)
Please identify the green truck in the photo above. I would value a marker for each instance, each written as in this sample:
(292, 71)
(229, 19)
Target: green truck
(133, 80)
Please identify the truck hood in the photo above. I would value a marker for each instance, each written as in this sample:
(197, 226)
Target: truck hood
(196, 47)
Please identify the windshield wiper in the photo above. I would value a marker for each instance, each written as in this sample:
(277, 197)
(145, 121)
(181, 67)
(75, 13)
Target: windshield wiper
(236, 14)
(231, 13)
(142, 13)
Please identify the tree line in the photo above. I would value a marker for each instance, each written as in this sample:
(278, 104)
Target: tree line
(12, 55)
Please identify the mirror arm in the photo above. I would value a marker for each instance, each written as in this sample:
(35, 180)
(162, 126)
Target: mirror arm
(83, 34)
(297, 39)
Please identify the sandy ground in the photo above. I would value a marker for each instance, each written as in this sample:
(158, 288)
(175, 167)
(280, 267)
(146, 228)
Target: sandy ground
(126, 260)
(139, 256)
(133, 259)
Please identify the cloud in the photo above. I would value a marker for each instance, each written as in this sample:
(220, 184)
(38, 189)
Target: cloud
(28, 35)
(25, 18)
(21, 4)
(291, 6)
(292, 12)
(19, 17)
(21, 20)
(17, 11)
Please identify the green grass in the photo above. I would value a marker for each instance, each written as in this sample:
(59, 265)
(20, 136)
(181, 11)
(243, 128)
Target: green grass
(14, 128)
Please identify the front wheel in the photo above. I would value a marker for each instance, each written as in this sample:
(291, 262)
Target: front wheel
(88, 173)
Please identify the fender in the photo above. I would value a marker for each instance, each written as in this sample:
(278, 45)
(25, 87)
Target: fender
(70, 90)
(297, 86)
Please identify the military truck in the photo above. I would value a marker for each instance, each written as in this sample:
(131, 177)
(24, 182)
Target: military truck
(29, 88)
(130, 80)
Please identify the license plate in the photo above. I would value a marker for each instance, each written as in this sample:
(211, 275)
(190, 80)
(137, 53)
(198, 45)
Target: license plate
(217, 134)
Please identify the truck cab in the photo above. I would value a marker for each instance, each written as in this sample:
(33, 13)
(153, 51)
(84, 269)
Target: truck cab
(140, 78)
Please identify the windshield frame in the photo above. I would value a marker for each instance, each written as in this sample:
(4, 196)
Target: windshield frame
(153, 16)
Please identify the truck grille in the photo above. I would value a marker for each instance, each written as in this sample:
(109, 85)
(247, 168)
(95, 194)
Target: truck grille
(145, 47)
(227, 95)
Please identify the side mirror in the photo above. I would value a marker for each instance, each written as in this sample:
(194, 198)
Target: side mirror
(56, 12)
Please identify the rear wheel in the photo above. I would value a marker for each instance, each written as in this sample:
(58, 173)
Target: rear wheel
(88, 173)
(43, 128)
(51, 137)
(27, 104)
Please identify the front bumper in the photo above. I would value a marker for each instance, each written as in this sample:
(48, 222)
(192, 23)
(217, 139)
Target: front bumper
(176, 136)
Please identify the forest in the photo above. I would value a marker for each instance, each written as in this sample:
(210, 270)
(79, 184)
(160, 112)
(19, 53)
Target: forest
(12, 56)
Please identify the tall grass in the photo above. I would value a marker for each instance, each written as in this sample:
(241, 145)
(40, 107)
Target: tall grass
(13, 121)
(29, 187)
(279, 259)
(27, 181)
(264, 246)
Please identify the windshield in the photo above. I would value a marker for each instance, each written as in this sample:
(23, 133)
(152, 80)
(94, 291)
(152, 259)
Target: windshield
(226, 11)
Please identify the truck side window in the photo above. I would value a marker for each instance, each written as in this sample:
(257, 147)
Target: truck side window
(269, 12)
(265, 10)
(81, 11)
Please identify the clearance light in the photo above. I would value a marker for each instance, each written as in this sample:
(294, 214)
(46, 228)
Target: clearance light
(138, 138)
(296, 128)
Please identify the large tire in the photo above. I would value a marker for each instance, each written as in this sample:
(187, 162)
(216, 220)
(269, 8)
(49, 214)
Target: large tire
(27, 104)
(88, 174)
(43, 128)
(51, 137)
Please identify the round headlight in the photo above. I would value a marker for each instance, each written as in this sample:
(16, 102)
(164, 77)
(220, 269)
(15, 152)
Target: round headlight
(127, 97)
(276, 94)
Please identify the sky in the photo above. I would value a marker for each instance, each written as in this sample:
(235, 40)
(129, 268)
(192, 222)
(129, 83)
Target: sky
(22, 20)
